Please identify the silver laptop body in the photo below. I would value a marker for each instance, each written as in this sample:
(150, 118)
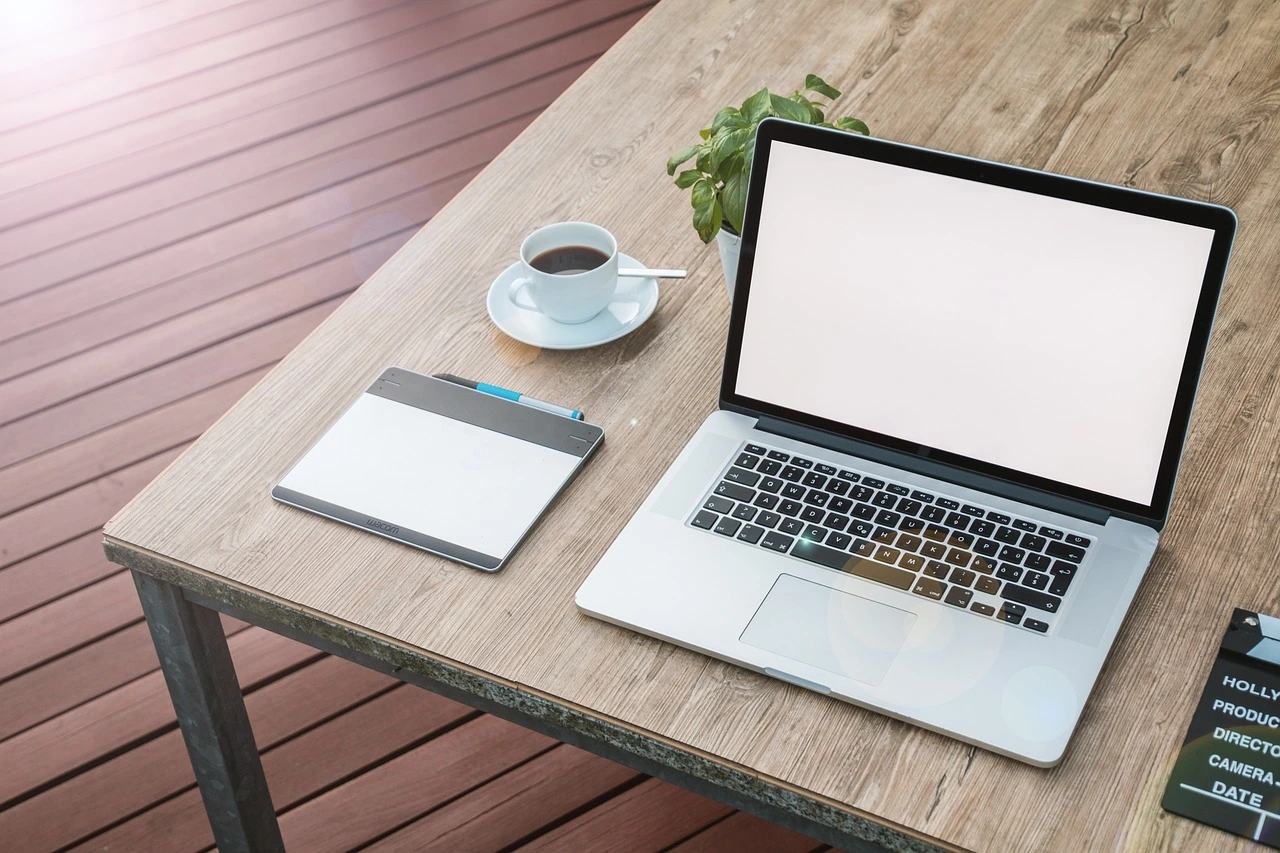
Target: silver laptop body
(954, 398)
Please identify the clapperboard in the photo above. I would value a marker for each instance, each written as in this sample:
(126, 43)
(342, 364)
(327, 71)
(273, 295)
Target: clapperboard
(1228, 772)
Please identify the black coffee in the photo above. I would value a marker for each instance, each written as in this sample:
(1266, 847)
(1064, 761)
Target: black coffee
(567, 260)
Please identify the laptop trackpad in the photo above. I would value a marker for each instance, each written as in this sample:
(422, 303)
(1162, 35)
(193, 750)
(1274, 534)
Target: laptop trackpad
(832, 630)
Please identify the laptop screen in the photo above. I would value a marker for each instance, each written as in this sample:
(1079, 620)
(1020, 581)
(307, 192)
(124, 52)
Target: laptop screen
(1024, 331)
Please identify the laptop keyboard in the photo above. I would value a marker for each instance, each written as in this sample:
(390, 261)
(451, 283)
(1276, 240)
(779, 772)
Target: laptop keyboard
(967, 556)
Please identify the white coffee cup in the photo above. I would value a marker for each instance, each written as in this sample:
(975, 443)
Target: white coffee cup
(571, 293)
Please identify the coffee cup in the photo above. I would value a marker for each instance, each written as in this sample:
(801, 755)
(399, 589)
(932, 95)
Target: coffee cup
(570, 272)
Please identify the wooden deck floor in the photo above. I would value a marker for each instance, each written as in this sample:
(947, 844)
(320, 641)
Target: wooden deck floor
(187, 187)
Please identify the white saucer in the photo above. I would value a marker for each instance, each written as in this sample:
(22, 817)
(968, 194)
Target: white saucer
(632, 305)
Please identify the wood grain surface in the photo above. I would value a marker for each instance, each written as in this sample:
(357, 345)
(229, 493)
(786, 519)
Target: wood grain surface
(1177, 96)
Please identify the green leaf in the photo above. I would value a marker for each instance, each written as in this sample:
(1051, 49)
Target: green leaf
(703, 193)
(679, 157)
(703, 163)
(789, 109)
(816, 115)
(855, 125)
(756, 107)
(705, 133)
(727, 143)
(733, 199)
(687, 178)
(814, 83)
(707, 218)
(728, 118)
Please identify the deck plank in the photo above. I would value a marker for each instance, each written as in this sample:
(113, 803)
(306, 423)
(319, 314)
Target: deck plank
(134, 781)
(54, 572)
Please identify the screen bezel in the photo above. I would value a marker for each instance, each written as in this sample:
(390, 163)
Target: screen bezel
(1216, 217)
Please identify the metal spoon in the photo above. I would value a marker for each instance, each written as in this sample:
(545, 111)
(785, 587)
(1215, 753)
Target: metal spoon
(632, 272)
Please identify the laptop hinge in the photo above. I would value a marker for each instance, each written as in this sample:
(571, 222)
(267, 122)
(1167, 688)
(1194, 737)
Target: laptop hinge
(939, 470)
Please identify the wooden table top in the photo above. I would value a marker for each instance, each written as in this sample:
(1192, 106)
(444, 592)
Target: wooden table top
(1177, 97)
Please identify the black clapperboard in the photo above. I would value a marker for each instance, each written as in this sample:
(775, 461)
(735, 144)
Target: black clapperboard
(1228, 772)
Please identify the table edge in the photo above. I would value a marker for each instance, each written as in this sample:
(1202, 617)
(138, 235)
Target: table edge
(566, 721)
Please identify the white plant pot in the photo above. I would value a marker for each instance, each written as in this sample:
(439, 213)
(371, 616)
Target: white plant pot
(728, 244)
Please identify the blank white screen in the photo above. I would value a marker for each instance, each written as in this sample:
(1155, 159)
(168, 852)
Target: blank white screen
(425, 472)
(1029, 332)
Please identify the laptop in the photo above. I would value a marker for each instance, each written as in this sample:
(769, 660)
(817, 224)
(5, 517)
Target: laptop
(953, 402)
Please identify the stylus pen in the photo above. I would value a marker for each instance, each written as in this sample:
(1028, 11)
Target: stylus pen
(508, 394)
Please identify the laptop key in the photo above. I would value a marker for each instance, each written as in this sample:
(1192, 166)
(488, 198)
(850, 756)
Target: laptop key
(801, 463)
(884, 499)
(933, 513)
(861, 528)
(911, 525)
(1023, 524)
(755, 448)
(958, 596)
(779, 455)
(720, 505)
(897, 489)
(817, 498)
(923, 497)
(873, 483)
(884, 535)
(792, 474)
(769, 467)
(934, 569)
(982, 609)
(998, 518)
(982, 528)
(747, 460)
(947, 503)
(771, 484)
(728, 526)
(961, 540)
(791, 526)
(864, 511)
(929, 588)
(957, 521)
(735, 491)
(768, 519)
(935, 533)
(793, 490)
(840, 505)
(1009, 573)
(812, 513)
(838, 540)
(1078, 541)
(962, 577)
(1032, 598)
(1035, 625)
(863, 548)
(885, 554)
(1039, 562)
(1066, 552)
(791, 508)
(775, 541)
(814, 480)
(745, 512)
(970, 509)
(911, 562)
(906, 506)
(829, 470)
(1035, 580)
(743, 476)
(934, 549)
(888, 519)
(836, 521)
(1032, 542)
(833, 559)
(705, 519)
(986, 547)
(1063, 568)
(814, 533)
(985, 565)
(956, 557)
(989, 585)
(837, 487)
(907, 542)
(1009, 554)
(1051, 533)
(1058, 585)
(1007, 535)
(1011, 613)
(849, 475)
(862, 493)
(750, 533)
(766, 500)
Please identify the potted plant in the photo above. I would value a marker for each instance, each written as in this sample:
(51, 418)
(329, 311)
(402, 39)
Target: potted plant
(722, 161)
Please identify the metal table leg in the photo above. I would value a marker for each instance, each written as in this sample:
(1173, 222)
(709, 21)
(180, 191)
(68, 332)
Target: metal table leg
(206, 696)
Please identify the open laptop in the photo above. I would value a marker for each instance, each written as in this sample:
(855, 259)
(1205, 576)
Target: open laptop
(954, 398)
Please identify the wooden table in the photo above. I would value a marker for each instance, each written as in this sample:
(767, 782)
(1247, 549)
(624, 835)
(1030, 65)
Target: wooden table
(1178, 97)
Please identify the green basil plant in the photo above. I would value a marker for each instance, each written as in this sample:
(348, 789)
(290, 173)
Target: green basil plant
(718, 180)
